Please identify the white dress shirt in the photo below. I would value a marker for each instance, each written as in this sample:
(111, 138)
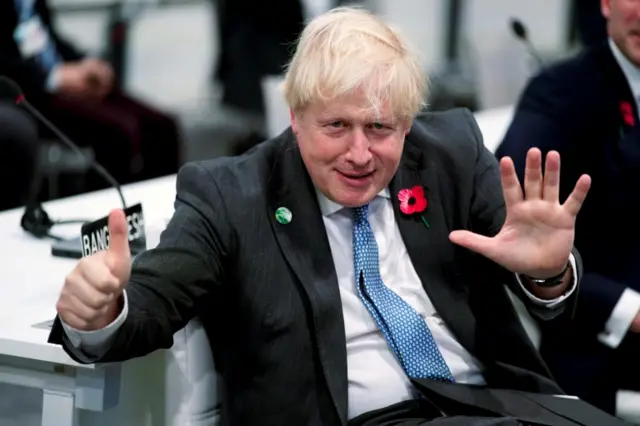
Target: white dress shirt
(628, 306)
(375, 376)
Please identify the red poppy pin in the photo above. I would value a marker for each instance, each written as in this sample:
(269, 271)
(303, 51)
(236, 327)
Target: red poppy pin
(627, 113)
(412, 201)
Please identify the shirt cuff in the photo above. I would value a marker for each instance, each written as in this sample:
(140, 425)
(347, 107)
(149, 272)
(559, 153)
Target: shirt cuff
(552, 303)
(621, 318)
(53, 80)
(94, 341)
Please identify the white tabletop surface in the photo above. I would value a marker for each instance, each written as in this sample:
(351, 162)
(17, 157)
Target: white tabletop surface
(31, 278)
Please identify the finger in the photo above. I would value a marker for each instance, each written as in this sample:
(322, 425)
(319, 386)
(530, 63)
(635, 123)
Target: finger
(76, 320)
(511, 189)
(118, 253)
(480, 244)
(551, 188)
(578, 195)
(70, 304)
(110, 76)
(96, 286)
(72, 319)
(533, 175)
(107, 72)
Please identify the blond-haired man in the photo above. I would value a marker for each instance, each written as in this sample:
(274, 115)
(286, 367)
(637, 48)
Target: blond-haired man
(350, 270)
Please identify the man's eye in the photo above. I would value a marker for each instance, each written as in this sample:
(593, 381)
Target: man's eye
(336, 124)
(377, 126)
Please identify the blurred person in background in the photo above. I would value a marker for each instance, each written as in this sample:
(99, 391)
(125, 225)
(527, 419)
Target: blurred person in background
(590, 25)
(79, 94)
(586, 108)
(256, 40)
(18, 155)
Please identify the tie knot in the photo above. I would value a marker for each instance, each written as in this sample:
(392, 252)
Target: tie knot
(361, 213)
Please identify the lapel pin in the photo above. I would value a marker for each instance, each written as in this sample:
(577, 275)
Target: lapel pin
(283, 215)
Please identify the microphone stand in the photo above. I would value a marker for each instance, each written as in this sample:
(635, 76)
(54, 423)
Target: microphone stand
(520, 32)
(533, 53)
(35, 219)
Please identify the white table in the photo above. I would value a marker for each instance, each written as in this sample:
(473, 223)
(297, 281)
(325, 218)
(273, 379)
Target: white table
(30, 280)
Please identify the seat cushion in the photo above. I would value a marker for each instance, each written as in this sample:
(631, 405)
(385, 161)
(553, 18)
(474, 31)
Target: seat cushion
(192, 384)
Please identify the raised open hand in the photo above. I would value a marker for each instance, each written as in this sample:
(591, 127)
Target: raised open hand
(537, 236)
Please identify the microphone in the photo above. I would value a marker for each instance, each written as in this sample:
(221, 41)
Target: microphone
(35, 219)
(520, 31)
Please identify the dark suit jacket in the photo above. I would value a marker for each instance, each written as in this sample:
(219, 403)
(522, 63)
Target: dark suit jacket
(26, 72)
(575, 108)
(268, 293)
(591, 26)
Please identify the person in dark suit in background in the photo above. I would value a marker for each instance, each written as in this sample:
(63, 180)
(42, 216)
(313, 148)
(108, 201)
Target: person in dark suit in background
(257, 39)
(586, 108)
(590, 24)
(354, 263)
(18, 155)
(79, 94)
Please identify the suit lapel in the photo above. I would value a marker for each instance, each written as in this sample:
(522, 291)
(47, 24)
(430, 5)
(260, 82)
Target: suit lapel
(430, 251)
(305, 246)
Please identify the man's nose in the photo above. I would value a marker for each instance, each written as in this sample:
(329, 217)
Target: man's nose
(359, 152)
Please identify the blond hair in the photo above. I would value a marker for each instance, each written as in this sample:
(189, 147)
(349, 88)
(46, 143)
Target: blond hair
(349, 49)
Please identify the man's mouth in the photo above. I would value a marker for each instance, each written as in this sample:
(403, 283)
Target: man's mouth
(357, 175)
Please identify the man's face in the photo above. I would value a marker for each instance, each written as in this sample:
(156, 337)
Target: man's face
(623, 26)
(350, 153)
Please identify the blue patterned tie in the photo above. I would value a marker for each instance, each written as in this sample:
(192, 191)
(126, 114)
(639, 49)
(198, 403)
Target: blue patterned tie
(48, 57)
(404, 329)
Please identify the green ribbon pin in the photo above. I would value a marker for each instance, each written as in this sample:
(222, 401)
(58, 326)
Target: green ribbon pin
(284, 215)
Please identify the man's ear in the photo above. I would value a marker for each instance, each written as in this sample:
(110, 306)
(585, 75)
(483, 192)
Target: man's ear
(407, 126)
(605, 8)
(294, 122)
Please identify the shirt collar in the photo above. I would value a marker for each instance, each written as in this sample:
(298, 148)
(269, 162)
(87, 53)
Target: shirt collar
(630, 71)
(328, 207)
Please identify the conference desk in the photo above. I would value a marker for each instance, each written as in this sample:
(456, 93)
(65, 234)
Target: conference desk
(30, 280)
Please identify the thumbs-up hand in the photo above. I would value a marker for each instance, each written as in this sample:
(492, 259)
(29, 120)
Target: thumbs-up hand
(118, 255)
(92, 292)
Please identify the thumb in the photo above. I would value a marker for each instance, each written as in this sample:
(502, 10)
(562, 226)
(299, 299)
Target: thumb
(118, 253)
(480, 244)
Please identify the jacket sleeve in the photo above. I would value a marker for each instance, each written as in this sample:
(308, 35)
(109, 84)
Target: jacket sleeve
(169, 283)
(65, 48)
(25, 73)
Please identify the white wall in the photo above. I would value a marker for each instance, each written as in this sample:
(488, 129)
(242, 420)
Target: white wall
(423, 22)
(502, 65)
